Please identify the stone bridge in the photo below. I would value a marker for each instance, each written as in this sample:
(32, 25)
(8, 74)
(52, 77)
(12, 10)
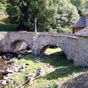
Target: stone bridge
(71, 45)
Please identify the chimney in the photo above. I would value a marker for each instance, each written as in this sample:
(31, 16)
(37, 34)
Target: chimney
(87, 16)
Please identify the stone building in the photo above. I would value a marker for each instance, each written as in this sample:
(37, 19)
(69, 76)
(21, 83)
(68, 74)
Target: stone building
(82, 48)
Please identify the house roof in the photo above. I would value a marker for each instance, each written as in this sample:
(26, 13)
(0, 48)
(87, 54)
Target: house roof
(83, 32)
(81, 22)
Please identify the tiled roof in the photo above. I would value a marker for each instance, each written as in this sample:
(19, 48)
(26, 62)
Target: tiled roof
(81, 22)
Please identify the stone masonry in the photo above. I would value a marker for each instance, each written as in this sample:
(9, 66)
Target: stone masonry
(74, 46)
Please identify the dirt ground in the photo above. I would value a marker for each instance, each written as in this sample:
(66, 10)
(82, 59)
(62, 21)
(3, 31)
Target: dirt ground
(79, 81)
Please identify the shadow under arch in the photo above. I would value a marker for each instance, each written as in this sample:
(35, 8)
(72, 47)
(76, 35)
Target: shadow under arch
(46, 47)
(57, 58)
(63, 66)
(52, 49)
(20, 45)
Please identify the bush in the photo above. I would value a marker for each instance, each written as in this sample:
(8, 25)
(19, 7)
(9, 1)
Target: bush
(65, 30)
(51, 15)
(54, 85)
(8, 27)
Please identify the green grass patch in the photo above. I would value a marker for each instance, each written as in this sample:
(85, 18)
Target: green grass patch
(64, 69)
(51, 51)
(4, 19)
(65, 30)
(7, 27)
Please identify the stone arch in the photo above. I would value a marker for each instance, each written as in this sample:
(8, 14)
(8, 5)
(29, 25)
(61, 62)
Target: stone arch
(18, 45)
(45, 47)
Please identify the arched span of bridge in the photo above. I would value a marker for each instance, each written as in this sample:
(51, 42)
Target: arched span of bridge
(72, 46)
(19, 45)
(44, 41)
(19, 37)
(46, 47)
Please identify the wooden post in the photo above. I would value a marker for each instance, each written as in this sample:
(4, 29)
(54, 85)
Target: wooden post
(35, 25)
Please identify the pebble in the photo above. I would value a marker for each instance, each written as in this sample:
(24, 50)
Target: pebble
(4, 82)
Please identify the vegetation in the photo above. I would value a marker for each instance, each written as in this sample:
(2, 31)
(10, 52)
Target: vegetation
(3, 6)
(51, 15)
(7, 27)
(80, 5)
(4, 19)
(64, 69)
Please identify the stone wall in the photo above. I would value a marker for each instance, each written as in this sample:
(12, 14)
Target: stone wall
(75, 48)
(82, 52)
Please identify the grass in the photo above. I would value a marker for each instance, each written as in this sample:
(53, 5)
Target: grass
(64, 69)
(3, 19)
(5, 25)
(51, 51)
(65, 30)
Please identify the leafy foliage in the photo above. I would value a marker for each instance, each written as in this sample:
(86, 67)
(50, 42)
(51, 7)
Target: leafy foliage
(2, 6)
(80, 5)
(66, 16)
(51, 15)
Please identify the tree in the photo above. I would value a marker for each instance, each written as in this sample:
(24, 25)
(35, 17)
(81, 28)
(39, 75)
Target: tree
(3, 1)
(13, 11)
(50, 14)
(26, 11)
(80, 5)
(67, 14)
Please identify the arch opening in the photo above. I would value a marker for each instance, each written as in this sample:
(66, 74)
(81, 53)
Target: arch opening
(20, 46)
(51, 50)
(54, 52)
